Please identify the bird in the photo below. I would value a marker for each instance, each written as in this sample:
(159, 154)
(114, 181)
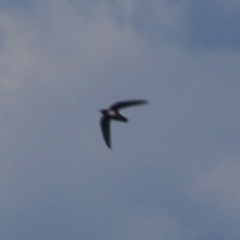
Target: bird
(112, 113)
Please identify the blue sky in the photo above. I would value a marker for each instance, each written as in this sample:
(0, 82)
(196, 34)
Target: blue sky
(174, 170)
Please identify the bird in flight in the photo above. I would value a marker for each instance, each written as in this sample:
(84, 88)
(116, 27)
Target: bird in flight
(112, 113)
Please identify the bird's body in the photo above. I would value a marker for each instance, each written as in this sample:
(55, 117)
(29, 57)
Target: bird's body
(113, 114)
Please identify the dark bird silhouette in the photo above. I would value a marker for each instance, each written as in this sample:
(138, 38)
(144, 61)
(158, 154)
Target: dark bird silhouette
(113, 114)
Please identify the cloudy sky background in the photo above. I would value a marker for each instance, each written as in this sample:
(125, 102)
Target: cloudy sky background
(174, 171)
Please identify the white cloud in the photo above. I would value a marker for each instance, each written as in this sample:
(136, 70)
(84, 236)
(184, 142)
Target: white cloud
(16, 58)
(218, 186)
(62, 64)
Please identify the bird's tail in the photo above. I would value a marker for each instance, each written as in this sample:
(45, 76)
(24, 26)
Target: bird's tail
(122, 118)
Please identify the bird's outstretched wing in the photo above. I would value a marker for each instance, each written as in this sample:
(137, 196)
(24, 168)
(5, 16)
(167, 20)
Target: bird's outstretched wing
(128, 103)
(105, 125)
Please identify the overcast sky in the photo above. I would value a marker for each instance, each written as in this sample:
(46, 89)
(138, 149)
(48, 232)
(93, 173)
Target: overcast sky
(174, 170)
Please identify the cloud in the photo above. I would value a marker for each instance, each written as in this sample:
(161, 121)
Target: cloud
(17, 58)
(62, 62)
(155, 21)
(211, 25)
(193, 24)
(14, 4)
(218, 186)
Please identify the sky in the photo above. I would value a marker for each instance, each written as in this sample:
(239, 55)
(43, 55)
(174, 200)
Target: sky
(174, 169)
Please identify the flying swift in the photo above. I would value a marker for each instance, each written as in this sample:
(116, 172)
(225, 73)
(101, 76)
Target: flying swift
(112, 113)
